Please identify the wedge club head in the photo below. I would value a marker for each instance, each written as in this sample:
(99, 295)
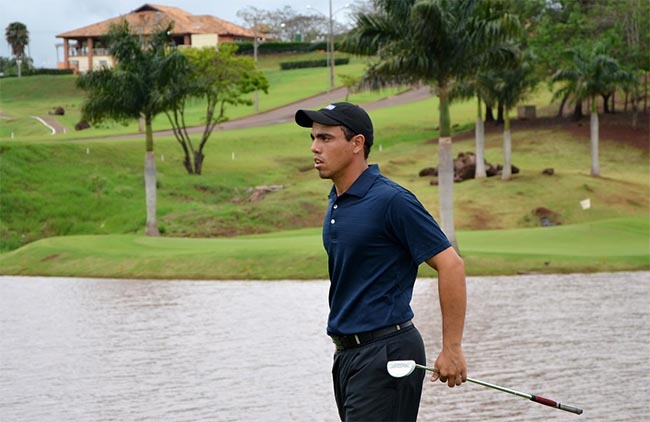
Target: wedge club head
(400, 368)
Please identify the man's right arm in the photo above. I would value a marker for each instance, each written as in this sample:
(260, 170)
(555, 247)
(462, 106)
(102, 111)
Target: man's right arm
(451, 364)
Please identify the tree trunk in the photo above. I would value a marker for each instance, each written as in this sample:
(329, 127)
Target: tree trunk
(187, 163)
(645, 92)
(560, 112)
(446, 169)
(635, 110)
(506, 173)
(151, 228)
(479, 172)
(577, 111)
(595, 166)
(605, 103)
(198, 162)
(489, 116)
(499, 113)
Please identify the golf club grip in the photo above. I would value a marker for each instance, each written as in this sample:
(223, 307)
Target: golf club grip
(552, 403)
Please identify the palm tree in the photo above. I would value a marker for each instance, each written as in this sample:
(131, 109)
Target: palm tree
(135, 88)
(478, 86)
(17, 37)
(590, 74)
(509, 86)
(435, 42)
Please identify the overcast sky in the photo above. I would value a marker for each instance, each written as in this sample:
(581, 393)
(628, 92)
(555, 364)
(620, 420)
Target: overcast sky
(46, 19)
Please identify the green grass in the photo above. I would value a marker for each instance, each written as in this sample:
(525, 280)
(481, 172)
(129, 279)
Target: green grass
(22, 98)
(619, 244)
(58, 192)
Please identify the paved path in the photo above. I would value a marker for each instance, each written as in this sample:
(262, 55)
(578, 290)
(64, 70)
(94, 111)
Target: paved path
(52, 124)
(286, 113)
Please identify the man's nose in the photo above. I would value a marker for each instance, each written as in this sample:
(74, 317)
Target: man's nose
(314, 146)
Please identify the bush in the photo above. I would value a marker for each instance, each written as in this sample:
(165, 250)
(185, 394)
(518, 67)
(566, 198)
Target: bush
(275, 47)
(40, 71)
(312, 63)
(45, 71)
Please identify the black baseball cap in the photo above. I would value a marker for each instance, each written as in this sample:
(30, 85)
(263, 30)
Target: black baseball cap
(339, 114)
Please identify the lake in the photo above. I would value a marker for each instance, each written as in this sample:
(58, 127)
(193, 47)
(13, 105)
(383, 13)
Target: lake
(146, 350)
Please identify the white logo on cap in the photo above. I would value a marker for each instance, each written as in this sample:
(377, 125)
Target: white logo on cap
(330, 107)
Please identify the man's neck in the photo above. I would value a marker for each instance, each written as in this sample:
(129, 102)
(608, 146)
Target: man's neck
(343, 184)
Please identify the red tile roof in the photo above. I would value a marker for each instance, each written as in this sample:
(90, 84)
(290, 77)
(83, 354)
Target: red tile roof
(147, 18)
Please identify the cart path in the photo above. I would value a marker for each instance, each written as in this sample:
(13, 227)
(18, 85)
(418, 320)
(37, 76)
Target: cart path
(286, 113)
(52, 124)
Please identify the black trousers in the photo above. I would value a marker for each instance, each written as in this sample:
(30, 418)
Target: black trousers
(364, 390)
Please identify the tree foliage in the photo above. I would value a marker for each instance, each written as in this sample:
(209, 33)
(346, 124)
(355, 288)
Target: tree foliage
(220, 78)
(17, 37)
(137, 87)
(438, 43)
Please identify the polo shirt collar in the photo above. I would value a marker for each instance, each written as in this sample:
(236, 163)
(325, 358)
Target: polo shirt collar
(363, 183)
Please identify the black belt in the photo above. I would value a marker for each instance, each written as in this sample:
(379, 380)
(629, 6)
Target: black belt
(356, 340)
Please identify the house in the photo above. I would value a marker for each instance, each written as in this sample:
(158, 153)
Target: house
(83, 48)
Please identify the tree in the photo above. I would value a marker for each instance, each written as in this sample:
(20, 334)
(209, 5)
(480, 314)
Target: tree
(511, 86)
(436, 42)
(255, 18)
(592, 73)
(145, 68)
(221, 78)
(17, 37)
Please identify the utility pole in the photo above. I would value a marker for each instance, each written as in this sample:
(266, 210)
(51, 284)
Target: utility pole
(331, 52)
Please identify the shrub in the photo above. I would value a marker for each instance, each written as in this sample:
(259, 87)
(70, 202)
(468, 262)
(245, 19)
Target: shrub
(312, 63)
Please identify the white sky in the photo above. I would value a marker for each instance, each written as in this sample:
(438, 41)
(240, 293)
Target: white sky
(45, 19)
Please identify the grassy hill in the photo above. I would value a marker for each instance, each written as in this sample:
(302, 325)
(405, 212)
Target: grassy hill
(53, 186)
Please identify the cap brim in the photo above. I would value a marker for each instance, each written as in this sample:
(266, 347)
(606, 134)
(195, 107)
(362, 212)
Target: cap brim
(306, 118)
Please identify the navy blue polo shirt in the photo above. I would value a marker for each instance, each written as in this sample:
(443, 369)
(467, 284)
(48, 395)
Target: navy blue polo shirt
(376, 235)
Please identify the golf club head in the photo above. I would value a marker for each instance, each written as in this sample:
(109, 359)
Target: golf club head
(400, 368)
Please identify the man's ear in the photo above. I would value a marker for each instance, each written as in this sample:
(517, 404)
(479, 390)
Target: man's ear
(359, 141)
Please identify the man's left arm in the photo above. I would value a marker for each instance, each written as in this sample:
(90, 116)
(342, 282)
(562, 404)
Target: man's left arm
(450, 365)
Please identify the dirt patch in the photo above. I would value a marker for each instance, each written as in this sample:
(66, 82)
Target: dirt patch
(51, 257)
(613, 128)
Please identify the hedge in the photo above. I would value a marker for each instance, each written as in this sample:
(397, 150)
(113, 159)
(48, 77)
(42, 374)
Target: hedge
(13, 72)
(312, 63)
(274, 47)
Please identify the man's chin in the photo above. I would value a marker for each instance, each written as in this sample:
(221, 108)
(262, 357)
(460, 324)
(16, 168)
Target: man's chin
(323, 174)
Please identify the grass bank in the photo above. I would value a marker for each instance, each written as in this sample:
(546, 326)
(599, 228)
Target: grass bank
(70, 207)
(619, 244)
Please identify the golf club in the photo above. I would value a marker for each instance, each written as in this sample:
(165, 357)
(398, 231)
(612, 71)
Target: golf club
(402, 368)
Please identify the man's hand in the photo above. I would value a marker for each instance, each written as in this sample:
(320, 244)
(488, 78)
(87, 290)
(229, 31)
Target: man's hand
(450, 367)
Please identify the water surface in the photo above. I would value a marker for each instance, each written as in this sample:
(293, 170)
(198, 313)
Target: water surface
(126, 350)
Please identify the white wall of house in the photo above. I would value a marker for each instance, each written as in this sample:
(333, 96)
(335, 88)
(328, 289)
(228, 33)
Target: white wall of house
(204, 40)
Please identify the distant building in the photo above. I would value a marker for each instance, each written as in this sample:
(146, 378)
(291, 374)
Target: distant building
(83, 49)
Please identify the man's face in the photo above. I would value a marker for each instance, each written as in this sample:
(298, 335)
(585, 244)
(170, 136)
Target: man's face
(332, 152)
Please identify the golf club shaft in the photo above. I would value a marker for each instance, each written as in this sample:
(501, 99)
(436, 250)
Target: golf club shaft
(536, 399)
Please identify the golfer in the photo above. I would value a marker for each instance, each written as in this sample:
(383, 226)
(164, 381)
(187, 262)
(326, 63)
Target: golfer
(376, 234)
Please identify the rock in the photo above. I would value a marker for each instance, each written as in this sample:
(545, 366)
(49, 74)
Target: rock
(548, 171)
(57, 111)
(547, 217)
(82, 125)
(259, 192)
(428, 171)
(465, 168)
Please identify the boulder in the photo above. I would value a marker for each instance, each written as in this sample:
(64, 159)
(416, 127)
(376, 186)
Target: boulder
(465, 168)
(82, 125)
(428, 171)
(259, 192)
(546, 217)
(57, 111)
(548, 171)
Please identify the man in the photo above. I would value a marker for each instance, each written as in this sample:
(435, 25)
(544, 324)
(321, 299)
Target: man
(376, 234)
